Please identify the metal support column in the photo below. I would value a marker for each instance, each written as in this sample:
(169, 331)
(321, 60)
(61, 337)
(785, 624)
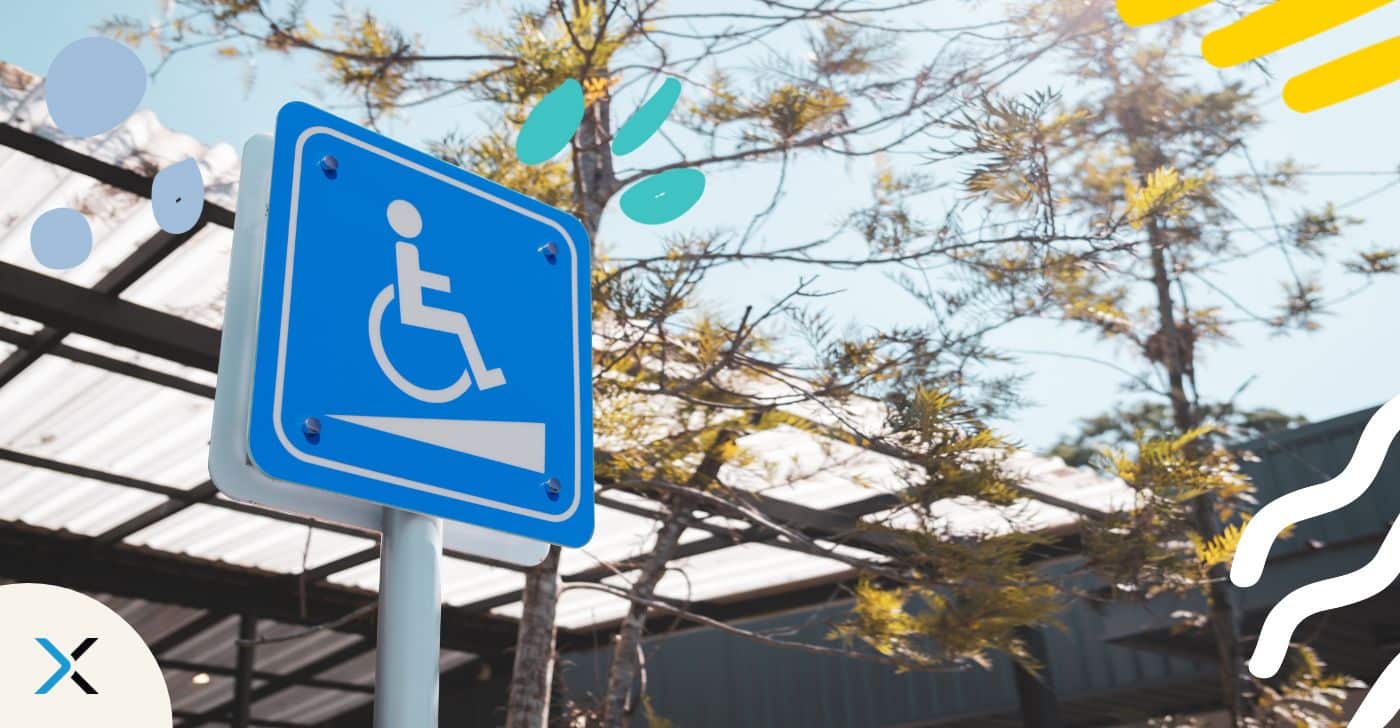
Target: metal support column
(1036, 692)
(410, 621)
(243, 678)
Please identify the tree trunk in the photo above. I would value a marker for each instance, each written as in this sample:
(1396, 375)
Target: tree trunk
(626, 661)
(535, 656)
(528, 706)
(1177, 356)
(594, 181)
(1224, 614)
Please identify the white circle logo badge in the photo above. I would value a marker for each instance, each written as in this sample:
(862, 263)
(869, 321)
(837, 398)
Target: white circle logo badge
(69, 660)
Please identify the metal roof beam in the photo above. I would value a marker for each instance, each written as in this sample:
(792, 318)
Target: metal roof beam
(107, 363)
(146, 256)
(283, 682)
(660, 622)
(779, 598)
(62, 305)
(184, 496)
(719, 539)
(188, 631)
(222, 671)
(105, 172)
(253, 723)
(35, 554)
(199, 494)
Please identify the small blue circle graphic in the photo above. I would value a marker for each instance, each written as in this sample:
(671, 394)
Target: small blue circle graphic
(177, 197)
(93, 85)
(61, 238)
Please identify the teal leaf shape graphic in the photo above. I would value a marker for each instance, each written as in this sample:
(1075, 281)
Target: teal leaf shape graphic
(663, 197)
(551, 124)
(648, 119)
(654, 200)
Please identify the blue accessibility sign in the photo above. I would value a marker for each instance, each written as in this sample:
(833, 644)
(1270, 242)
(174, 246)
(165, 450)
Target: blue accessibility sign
(423, 336)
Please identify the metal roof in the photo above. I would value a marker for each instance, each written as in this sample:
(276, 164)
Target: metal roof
(104, 427)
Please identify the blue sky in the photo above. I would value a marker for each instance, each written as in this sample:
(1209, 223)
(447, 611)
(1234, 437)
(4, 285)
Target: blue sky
(1346, 366)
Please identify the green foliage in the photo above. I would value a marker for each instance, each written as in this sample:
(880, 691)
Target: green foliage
(791, 110)
(1314, 227)
(778, 115)
(493, 157)
(678, 380)
(1140, 156)
(1374, 262)
(841, 50)
(1164, 196)
(1302, 305)
(890, 225)
(654, 719)
(958, 454)
(1012, 139)
(966, 594)
(939, 629)
(1220, 550)
(1305, 695)
(1121, 427)
(1156, 545)
(548, 50)
(372, 61)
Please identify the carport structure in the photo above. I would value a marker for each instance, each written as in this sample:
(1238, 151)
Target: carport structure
(106, 386)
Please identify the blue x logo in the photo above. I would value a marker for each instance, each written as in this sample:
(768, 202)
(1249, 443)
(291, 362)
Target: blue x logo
(65, 666)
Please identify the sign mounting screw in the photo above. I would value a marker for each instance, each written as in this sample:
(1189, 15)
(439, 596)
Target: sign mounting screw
(550, 251)
(330, 165)
(311, 428)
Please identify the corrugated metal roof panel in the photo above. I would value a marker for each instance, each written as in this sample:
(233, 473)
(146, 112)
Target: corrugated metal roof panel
(219, 534)
(191, 282)
(816, 472)
(83, 415)
(76, 413)
(121, 353)
(64, 502)
(740, 570)
(307, 706)
(1316, 453)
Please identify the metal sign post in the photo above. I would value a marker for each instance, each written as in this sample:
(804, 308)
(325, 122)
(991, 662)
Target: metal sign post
(410, 621)
(405, 349)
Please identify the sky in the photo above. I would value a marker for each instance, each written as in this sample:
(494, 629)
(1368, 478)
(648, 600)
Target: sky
(1347, 365)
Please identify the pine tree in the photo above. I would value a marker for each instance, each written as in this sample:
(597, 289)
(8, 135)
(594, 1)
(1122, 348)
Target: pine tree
(1132, 179)
(677, 383)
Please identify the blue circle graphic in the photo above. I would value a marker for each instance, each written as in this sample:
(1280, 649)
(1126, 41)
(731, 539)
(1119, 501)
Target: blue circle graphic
(93, 85)
(177, 197)
(61, 238)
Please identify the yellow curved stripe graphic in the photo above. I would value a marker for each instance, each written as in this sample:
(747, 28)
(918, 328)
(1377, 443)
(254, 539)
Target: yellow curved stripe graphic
(1352, 75)
(1279, 25)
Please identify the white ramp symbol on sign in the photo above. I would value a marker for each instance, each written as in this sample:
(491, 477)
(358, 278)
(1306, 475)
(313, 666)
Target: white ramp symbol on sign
(520, 444)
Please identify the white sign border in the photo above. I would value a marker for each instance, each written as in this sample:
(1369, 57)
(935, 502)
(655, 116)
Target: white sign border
(277, 398)
(230, 466)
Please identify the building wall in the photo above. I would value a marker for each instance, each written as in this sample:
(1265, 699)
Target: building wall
(702, 678)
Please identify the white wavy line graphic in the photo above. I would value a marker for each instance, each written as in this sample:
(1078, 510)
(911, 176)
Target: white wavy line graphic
(1303, 602)
(1315, 500)
(1382, 702)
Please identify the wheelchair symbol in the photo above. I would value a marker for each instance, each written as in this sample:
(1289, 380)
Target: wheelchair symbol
(412, 280)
